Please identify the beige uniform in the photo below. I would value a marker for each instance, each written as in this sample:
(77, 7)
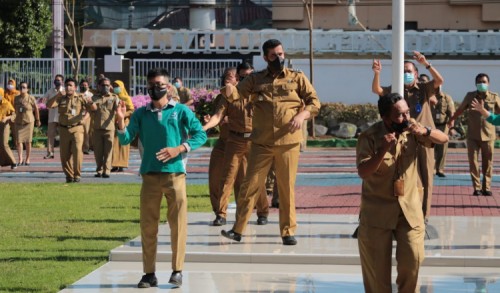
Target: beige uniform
(236, 153)
(86, 126)
(121, 153)
(6, 111)
(71, 110)
(184, 95)
(384, 216)
(25, 118)
(442, 112)
(276, 101)
(481, 136)
(104, 130)
(417, 98)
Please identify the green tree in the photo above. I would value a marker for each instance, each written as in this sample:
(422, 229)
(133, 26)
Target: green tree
(25, 26)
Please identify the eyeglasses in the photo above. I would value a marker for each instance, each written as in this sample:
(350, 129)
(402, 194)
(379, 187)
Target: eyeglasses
(158, 85)
(24, 87)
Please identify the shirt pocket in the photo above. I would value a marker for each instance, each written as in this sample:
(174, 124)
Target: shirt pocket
(386, 165)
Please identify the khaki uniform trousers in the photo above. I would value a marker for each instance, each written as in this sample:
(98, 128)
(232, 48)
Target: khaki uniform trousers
(235, 159)
(154, 187)
(425, 165)
(6, 155)
(441, 150)
(486, 148)
(375, 250)
(286, 161)
(272, 186)
(103, 148)
(215, 173)
(71, 150)
(305, 136)
(121, 154)
(86, 134)
(51, 136)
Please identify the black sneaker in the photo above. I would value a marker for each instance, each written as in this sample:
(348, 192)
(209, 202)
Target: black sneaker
(148, 281)
(105, 175)
(219, 221)
(262, 220)
(439, 174)
(487, 193)
(76, 180)
(477, 193)
(69, 180)
(98, 175)
(231, 235)
(289, 240)
(176, 279)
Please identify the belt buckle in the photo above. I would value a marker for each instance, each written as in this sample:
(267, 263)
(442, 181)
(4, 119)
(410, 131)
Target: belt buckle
(247, 134)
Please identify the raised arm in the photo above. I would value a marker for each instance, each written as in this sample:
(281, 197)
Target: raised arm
(377, 68)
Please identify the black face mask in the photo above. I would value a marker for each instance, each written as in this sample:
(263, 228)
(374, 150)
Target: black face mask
(157, 93)
(83, 89)
(57, 83)
(400, 127)
(277, 64)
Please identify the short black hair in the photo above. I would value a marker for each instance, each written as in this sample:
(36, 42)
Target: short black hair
(386, 102)
(70, 79)
(103, 80)
(414, 66)
(157, 72)
(481, 75)
(24, 82)
(244, 66)
(83, 80)
(177, 78)
(424, 75)
(59, 75)
(270, 44)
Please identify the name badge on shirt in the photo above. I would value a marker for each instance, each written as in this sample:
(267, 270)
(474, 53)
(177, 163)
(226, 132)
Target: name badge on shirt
(247, 134)
(438, 116)
(73, 112)
(21, 109)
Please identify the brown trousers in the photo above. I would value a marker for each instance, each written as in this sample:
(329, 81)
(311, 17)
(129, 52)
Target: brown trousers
(6, 155)
(235, 159)
(103, 148)
(486, 148)
(71, 150)
(375, 251)
(286, 160)
(440, 151)
(86, 134)
(154, 187)
(425, 165)
(215, 173)
(121, 154)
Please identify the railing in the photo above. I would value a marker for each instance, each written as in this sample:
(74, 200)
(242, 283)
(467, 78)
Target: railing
(38, 72)
(196, 73)
(297, 42)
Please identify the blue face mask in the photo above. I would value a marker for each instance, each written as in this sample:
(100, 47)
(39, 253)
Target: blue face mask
(117, 90)
(408, 78)
(482, 87)
(177, 85)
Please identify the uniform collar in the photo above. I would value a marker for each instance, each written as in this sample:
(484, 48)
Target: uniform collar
(151, 107)
(269, 72)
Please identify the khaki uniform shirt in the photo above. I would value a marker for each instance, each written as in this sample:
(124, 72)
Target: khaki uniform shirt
(24, 109)
(104, 116)
(379, 207)
(71, 109)
(184, 95)
(417, 98)
(276, 100)
(172, 93)
(238, 114)
(444, 109)
(223, 127)
(477, 126)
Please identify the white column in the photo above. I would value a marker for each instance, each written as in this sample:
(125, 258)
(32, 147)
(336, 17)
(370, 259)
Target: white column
(58, 37)
(398, 37)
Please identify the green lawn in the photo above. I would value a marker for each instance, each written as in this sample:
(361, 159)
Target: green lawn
(52, 234)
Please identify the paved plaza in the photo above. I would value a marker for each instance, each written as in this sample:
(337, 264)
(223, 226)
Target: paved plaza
(463, 257)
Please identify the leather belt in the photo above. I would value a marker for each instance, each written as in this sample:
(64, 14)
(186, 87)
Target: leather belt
(70, 126)
(241, 134)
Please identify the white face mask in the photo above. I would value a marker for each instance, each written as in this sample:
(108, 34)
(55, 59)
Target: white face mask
(10, 87)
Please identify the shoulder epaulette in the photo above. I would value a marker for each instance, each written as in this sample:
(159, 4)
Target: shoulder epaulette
(295, 70)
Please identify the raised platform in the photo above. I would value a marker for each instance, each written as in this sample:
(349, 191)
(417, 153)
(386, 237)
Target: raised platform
(464, 258)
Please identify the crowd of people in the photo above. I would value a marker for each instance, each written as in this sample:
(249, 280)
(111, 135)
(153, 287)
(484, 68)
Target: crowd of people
(261, 117)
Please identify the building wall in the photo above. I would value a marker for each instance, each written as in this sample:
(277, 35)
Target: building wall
(375, 15)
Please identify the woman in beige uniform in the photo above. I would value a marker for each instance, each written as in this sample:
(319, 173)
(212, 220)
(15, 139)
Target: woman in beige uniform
(26, 117)
(121, 152)
(7, 114)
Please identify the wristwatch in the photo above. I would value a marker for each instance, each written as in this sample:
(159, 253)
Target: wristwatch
(428, 131)
(428, 66)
